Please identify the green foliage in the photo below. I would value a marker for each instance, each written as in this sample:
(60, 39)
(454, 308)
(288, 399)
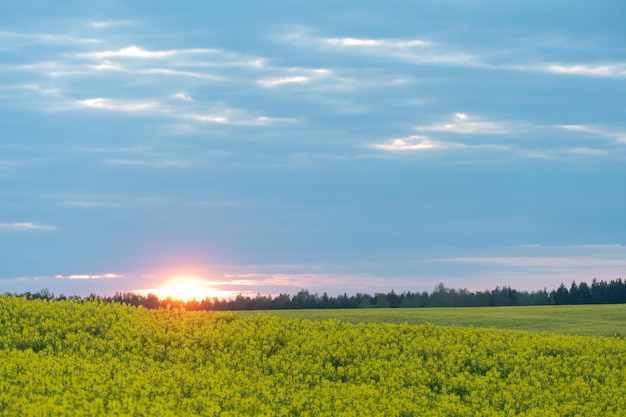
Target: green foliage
(583, 320)
(90, 358)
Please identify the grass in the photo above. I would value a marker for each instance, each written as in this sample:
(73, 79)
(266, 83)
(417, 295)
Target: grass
(585, 320)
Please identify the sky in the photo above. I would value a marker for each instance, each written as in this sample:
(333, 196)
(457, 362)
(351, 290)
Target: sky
(334, 146)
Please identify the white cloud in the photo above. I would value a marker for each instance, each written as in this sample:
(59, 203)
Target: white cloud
(110, 23)
(386, 43)
(127, 162)
(219, 115)
(587, 151)
(420, 51)
(273, 82)
(296, 76)
(134, 51)
(130, 52)
(264, 120)
(416, 51)
(122, 105)
(41, 90)
(153, 163)
(465, 124)
(182, 96)
(619, 137)
(409, 143)
(209, 118)
(237, 117)
(46, 38)
(26, 226)
(103, 66)
(594, 70)
(82, 277)
(542, 261)
(192, 74)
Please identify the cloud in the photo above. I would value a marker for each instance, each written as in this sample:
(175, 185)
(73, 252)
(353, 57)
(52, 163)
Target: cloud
(301, 76)
(413, 143)
(236, 117)
(83, 277)
(182, 96)
(275, 283)
(122, 105)
(46, 38)
(602, 246)
(219, 114)
(592, 70)
(426, 52)
(543, 261)
(460, 123)
(110, 23)
(465, 124)
(191, 74)
(26, 226)
(125, 162)
(134, 51)
(149, 163)
(617, 136)
(39, 89)
(273, 82)
(587, 151)
(417, 51)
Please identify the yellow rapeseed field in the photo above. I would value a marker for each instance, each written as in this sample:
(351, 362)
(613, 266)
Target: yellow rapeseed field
(90, 358)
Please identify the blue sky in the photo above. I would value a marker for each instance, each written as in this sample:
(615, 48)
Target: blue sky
(336, 146)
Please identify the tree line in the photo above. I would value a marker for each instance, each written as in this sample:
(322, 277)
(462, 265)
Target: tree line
(598, 292)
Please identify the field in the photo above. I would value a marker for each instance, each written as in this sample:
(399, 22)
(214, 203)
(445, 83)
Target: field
(93, 359)
(583, 320)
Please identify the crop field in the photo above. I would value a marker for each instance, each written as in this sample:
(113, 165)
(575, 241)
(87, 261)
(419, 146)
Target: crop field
(583, 320)
(90, 358)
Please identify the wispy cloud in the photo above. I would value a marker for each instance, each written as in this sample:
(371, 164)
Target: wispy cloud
(88, 276)
(182, 96)
(130, 106)
(466, 124)
(26, 226)
(418, 51)
(40, 89)
(304, 76)
(236, 117)
(617, 136)
(587, 151)
(218, 115)
(386, 43)
(429, 52)
(470, 125)
(105, 24)
(149, 163)
(134, 51)
(542, 261)
(46, 38)
(413, 143)
(590, 69)
(460, 123)
(273, 82)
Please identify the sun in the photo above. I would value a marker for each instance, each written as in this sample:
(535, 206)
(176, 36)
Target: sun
(185, 288)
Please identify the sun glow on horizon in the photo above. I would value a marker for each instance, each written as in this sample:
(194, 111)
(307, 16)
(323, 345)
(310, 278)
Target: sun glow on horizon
(187, 288)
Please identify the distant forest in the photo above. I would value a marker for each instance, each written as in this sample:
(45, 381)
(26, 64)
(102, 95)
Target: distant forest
(599, 292)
